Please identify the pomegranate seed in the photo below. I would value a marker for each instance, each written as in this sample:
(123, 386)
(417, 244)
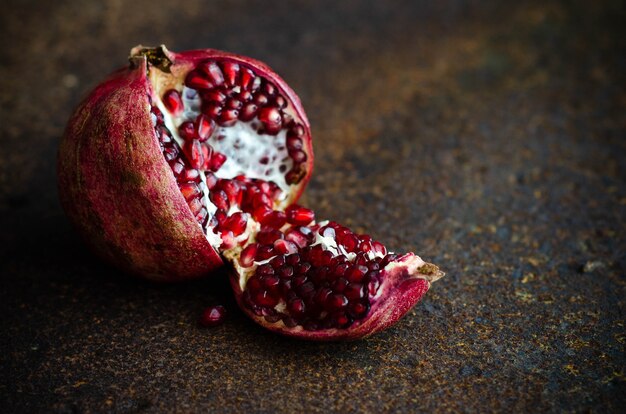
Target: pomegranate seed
(246, 259)
(247, 76)
(172, 101)
(374, 283)
(275, 219)
(248, 111)
(232, 188)
(297, 237)
(355, 291)
(177, 167)
(269, 89)
(298, 215)
(187, 131)
(244, 96)
(255, 85)
(294, 143)
(298, 156)
(285, 271)
(265, 269)
(189, 190)
(228, 240)
(297, 131)
(349, 242)
(264, 253)
(262, 200)
(280, 102)
(213, 316)
(213, 72)
(217, 160)
(213, 110)
(358, 310)
(196, 80)
(295, 175)
(264, 298)
(203, 216)
(339, 285)
(261, 213)
(271, 119)
(233, 103)
(195, 205)
(379, 248)
(231, 73)
(285, 247)
(236, 223)
(260, 99)
(220, 199)
(356, 273)
(268, 236)
(193, 151)
(296, 307)
(327, 232)
(228, 117)
(220, 216)
(204, 127)
(337, 301)
(211, 180)
(214, 96)
(207, 152)
(277, 261)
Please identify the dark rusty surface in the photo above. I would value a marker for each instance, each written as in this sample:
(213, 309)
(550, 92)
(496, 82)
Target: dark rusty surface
(487, 137)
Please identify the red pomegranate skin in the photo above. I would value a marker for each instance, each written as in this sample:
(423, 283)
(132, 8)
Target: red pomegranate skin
(118, 190)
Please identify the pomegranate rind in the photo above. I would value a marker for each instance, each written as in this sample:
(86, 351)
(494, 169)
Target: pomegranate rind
(405, 282)
(118, 190)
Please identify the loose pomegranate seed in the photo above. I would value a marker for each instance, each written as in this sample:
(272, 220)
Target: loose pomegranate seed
(172, 101)
(213, 316)
(298, 215)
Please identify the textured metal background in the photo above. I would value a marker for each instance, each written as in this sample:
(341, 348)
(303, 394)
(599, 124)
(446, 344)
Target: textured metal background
(487, 136)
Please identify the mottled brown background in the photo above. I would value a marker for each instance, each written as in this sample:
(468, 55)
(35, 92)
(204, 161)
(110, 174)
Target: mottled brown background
(487, 136)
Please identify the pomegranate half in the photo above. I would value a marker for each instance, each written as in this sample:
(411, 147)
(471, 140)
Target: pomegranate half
(180, 156)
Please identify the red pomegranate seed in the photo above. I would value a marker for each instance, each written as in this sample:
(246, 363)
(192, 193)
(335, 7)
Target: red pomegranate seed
(260, 99)
(211, 180)
(213, 72)
(297, 237)
(294, 143)
(285, 247)
(196, 80)
(217, 160)
(213, 316)
(248, 111)
(271, 119)
(231, 73)
(379, 248)
(207, 152)
(233, 189)
(268, 236)
(275, 219)
(374, 283)
(247, 76)
(204, 127)
(255, 85)
(356, 273)
(228, 240)
(177, 167)
(265, 298)
(298, 156)
(195, 205)
(214, 96)
(220, 199)
(355, 291)
(172, 101)
(244, 96)
(295, 175)
(337, 301)
(269, 89)
(193, 151)
(264, 253)
(187, 131)
(280, 102)
(296, 307)
(228, 117)
(189, 190)
(285, 271)
(261, 213)
(236, 223)
(298, 215)
(203, 216)
(339, 285)
(246, 259)
(233, 103)
(358, 310)
(213, 110)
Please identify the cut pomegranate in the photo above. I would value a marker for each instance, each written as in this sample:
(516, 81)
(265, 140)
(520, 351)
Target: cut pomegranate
(185, 158)
(142, 156)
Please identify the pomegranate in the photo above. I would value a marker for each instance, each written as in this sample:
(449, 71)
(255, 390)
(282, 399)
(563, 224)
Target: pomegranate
(321, 281)
(183, 159)
(180, 156)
